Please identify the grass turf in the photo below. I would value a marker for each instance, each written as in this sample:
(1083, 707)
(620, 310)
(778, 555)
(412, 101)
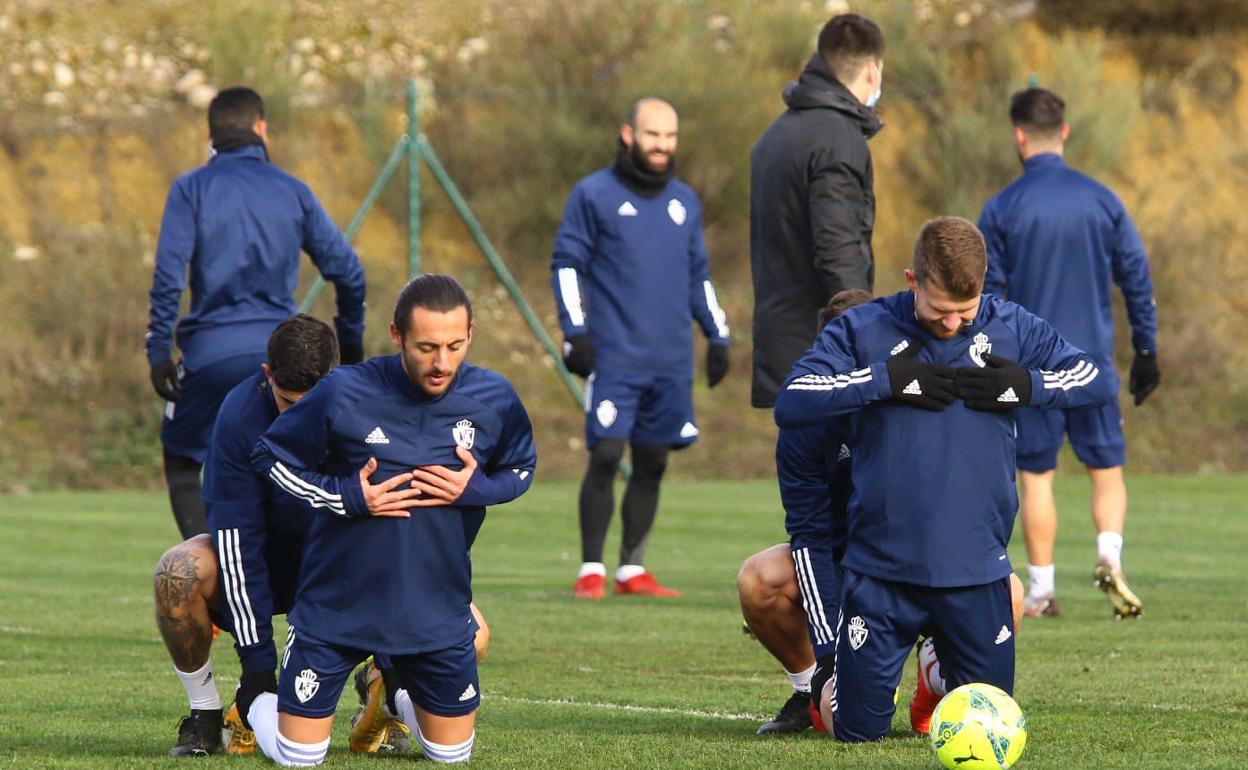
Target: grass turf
(627, 682)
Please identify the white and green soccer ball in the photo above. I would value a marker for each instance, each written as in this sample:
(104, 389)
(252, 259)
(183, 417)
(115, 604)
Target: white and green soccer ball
(978, 727)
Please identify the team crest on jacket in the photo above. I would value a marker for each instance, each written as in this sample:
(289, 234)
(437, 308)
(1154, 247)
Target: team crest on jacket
(306, 685)
(464, 433)
(857, 632)
(980, 347)
(676, 210)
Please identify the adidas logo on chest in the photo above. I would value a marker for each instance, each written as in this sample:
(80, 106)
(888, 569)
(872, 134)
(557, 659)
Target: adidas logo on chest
(376, 436)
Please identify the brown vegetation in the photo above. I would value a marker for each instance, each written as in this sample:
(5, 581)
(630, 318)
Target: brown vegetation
(101, 108)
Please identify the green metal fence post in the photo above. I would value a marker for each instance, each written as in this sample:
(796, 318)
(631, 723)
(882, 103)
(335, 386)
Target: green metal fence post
(353, 227)
(413, 183)
(500, 268)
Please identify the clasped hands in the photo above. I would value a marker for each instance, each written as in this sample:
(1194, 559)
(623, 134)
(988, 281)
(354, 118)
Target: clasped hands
(426, 486)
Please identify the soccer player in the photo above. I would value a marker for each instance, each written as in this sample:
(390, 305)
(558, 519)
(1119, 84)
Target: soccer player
(1056, 241)
(630, 274)
(931, 377)
(431, 433)
(790, 593)
(812, 465)
(238, 224)
(245, 573)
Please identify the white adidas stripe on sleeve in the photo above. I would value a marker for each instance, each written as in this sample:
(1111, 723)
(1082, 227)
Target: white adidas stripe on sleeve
(314, 495)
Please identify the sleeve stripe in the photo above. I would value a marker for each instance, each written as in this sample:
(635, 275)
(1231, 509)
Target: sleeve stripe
(811, 600)
(570, 292)
(231, 560)
(826, 382)
(1078, 377)
(717, 312)
(314, 495)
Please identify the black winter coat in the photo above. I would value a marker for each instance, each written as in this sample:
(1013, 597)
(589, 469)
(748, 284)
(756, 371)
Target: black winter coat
(812, 210)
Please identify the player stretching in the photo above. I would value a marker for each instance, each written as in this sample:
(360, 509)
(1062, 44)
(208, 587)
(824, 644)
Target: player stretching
(933, 468)
(794, 617)
(630, 246)
(245, 573)
(375, 577)
(1056, 240)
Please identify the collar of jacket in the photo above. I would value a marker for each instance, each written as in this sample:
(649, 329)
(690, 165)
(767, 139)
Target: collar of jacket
(817, 88)
(247, 151)
(1042, 160)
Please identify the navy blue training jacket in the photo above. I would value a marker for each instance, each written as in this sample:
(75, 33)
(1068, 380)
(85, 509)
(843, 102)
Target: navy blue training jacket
(633, 272)
(251, 527)
(813, 467)
(392, 585)
(934, 498)
(240, 222)
(1056, 239)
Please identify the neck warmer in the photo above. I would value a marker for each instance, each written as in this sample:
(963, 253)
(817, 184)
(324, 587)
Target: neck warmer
(640, 180)
(233, 140)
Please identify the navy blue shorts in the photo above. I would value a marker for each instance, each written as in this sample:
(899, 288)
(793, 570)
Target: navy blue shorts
(972, 628)
(187, 426)
(313, 674)
(1095, 434)
(282, 559)
(641, 408)
(819, 582)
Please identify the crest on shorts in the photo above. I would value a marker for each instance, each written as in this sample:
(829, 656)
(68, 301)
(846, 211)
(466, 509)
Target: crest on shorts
(306, 685)
(676, 210)
(606, 412)
(464, 433)
(857, 632)
(980, 347)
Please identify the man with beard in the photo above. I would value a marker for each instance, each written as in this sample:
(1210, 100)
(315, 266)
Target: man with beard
(812, 202)
(629, 274)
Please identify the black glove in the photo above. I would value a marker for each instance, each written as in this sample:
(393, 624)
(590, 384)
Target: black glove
(251, 685)
(578, 355)
(350, 352)
(716, 364)
(1000, 386)
(1145, 376)
(165, 380)
(927, 386)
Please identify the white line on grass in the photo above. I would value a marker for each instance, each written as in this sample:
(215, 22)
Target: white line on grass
(634, 709)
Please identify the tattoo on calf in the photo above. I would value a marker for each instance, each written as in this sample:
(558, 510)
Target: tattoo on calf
(176, 576)
(187, 638)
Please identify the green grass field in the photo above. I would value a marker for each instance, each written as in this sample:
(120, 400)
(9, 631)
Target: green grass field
(85, 681)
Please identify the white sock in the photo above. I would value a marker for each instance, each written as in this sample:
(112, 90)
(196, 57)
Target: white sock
(592, 568)
(263, 719)
(1040, 579)
(929, 668)
(294, 754)
(801, 680)
(201, 687)
(437, 752)
(1109, 548)
(628, 572)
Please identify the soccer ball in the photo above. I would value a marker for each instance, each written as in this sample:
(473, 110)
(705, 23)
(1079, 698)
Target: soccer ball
(978, 727)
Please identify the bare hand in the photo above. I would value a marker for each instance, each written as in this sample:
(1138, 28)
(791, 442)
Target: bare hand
(381, 499)
(440, 485)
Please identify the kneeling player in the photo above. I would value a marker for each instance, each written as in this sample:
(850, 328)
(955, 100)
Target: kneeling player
(375, 577)
(794, 620)
(256, 536)
(933, 473)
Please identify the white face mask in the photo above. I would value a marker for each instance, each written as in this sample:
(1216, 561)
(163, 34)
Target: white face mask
(879, 91)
